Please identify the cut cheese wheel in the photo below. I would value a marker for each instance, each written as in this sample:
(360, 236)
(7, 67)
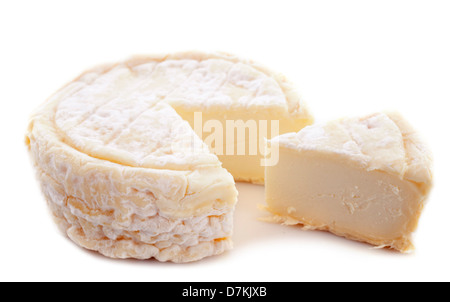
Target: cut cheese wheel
(362, 178)
(123, 170)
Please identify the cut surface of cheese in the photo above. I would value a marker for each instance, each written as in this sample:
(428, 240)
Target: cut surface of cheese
(124, 172)
(366, 179)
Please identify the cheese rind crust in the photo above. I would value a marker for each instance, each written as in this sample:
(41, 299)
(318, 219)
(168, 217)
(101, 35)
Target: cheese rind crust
(366, 179)
(141, 236)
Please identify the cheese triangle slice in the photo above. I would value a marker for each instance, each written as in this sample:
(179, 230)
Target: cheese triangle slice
(124, 172)
(362, 178)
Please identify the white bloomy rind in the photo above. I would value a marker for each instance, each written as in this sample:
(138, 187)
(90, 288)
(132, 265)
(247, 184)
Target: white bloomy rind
(382, 141)
(125, 175)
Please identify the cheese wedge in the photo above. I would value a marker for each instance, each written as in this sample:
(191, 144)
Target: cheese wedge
(122, 169)
(366, 179)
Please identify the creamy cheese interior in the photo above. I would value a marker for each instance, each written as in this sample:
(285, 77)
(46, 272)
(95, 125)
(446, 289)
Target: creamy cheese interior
(364, 178)
(330, 194)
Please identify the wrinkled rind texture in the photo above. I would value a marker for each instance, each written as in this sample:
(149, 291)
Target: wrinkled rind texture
(155, 236)
(175, 208)
(129, 223)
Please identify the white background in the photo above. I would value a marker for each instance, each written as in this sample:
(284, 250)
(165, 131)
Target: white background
(346, 58)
